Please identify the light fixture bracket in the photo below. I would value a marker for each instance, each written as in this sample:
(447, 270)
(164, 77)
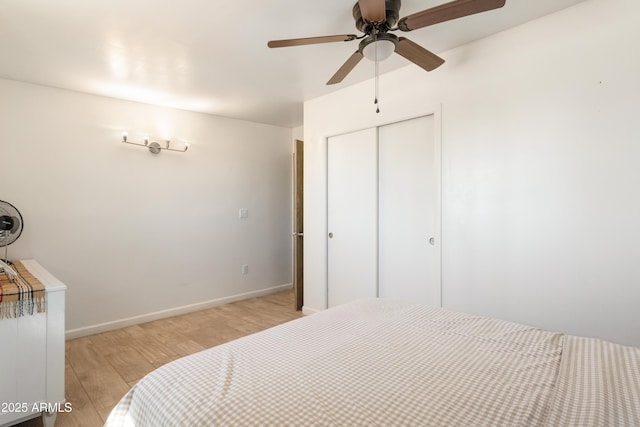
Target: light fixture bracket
(155, 148)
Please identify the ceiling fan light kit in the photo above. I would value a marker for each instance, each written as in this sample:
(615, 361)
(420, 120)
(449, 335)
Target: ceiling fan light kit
(378, 47)
(377, 18)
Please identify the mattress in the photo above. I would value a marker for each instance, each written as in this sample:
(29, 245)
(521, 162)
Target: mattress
(380, 362)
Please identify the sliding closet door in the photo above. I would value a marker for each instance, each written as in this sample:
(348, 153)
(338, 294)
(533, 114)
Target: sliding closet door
(409, 257)
(352, 199)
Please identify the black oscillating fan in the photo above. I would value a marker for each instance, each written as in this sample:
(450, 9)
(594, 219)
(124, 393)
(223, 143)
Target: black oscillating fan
(10, 225)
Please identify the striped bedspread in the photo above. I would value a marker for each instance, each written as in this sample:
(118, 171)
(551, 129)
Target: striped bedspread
(379, 362)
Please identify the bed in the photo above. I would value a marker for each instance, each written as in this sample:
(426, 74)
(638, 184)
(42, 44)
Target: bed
(380, 362)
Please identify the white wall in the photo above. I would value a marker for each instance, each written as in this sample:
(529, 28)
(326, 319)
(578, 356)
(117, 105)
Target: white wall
(132, 233)
(541, 170)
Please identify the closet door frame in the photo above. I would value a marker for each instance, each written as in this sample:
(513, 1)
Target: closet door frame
(375, 122)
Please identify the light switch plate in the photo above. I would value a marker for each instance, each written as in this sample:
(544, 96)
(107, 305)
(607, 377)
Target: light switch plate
(244, 213)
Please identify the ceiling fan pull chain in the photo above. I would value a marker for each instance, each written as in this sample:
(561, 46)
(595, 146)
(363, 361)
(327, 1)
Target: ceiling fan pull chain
(375, 101)
(377, 91)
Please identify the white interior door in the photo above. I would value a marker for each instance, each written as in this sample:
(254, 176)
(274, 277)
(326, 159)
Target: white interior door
(409, 261)
(352, 219)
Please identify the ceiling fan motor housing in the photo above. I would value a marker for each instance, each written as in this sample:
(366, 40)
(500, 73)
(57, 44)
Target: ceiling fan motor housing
(392, 12)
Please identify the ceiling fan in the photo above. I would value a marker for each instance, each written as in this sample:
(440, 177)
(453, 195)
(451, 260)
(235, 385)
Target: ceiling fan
(378, 18)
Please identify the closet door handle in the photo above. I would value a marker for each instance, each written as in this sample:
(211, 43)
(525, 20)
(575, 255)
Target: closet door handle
(331, 235)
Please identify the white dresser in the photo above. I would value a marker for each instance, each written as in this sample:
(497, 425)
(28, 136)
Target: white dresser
(32, 357)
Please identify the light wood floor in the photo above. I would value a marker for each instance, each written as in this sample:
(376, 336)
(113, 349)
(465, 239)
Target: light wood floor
(101, 368)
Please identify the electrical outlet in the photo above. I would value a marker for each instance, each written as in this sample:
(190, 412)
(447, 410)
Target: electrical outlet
(245, 268)
(243, 213)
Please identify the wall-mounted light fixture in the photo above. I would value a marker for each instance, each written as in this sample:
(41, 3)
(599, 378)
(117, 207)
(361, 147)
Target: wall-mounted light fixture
(153, 146)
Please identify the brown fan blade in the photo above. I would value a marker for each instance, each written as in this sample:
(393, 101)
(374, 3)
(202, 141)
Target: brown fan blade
(418, 55)
(346, 68)
(311, 40)
(373, 10)
(447, 12)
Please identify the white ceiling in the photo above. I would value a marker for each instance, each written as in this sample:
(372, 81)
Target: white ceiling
(211, 56)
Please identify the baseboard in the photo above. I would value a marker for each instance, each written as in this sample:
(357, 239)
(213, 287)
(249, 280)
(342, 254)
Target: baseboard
(308, 310)
(117, 324)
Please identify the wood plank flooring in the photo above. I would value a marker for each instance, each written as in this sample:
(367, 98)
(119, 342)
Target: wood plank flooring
(101, 368)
